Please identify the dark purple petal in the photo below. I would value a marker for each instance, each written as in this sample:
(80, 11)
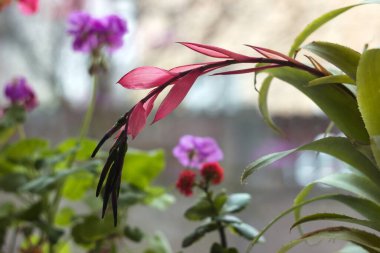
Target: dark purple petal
(18, 91)
(92, 33)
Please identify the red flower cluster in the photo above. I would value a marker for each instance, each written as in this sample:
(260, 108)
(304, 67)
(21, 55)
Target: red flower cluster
(212, 172)
(185, 182)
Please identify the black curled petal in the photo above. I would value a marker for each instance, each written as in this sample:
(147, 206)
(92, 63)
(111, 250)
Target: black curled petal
(119, 124)
(113, 167)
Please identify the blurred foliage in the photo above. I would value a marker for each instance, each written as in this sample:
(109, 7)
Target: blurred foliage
(44, 182)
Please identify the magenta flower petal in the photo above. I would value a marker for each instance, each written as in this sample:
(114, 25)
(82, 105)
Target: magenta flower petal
(28, 7)
(145, 78)
(138, 120)
(177, 93)
(212, 51)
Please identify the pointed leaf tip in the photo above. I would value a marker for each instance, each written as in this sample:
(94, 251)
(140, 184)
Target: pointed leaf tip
(145, 78)
(269, 53)
(213, 51)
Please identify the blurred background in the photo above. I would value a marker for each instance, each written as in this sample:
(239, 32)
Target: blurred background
(224, 108)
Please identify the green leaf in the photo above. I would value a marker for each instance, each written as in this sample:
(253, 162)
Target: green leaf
(77, 185)
(339, 147)
(263, 104)
(337, 217)
(339, 233)
(198, 233)
(236, 202)
(352, 248)
(92, 228)
(162, 201)
(32, 213)
(220, 200)
(319, 22)
(134, 234)
(159, 244)
(64, 216)
(368, 96)
(344, 58)
(365, 207)
(331, 80)
(83, 152)
(315, 25)
(334, 100)
(353, 183)
(27, 150)
(141, 168)
(12, 182)
(82, 171)
(200, 211)
(245, 230)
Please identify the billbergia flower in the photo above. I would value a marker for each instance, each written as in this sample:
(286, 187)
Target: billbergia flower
(91, 34)
(194, 151)
(18, 91)
(178, 81)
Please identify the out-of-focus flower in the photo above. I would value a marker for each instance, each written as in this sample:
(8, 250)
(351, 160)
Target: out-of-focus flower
(212, 172)
(28, 7)
(18, 91)
(4, 4)
(92, 34)
(194, 151)
(185, 182)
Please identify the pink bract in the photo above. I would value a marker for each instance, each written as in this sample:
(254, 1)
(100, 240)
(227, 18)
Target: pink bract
(145, 78)
(28, 7)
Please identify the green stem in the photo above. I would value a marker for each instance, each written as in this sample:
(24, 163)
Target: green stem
(83, 133)
(21, 132)
(222, 234)
(90, 109)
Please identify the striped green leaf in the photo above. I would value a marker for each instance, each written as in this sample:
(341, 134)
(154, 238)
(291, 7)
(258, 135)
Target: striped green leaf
(336, 101)
(369, 96)
(331, 80)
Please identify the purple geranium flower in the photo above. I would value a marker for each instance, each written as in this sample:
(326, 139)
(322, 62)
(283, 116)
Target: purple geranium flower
(194, 151)
(18, 91)
(93, 33)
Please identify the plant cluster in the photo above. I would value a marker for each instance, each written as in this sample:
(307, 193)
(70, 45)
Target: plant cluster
(46, 180)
